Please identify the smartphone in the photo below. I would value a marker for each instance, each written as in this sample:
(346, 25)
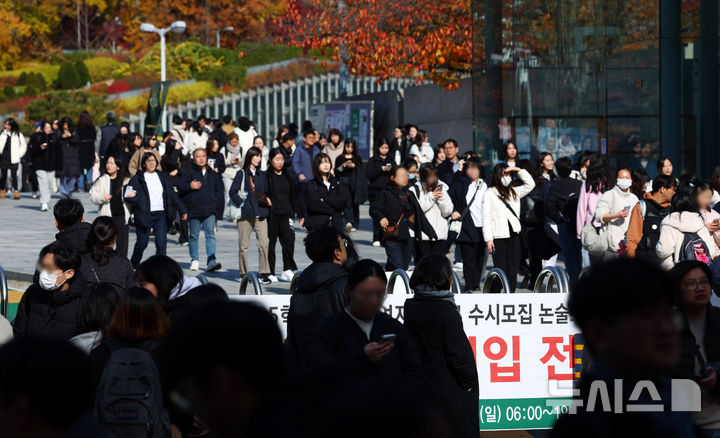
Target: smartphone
(627, 208)
(388, 338)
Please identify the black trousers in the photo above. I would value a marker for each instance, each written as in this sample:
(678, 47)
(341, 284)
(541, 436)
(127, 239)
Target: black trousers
(507, 258)
(474, 257)
(123, 235)
(13, 177)
(279, 227)
(428, 247)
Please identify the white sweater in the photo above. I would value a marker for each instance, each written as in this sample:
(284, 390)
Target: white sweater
(496, 215)
(614, 201)
(671, 236)
(101, 187)
(436, 210)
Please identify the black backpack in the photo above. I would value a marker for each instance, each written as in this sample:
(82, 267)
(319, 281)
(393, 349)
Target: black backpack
(129, 399)
(307, 311)
(694, 248)
(651, 227)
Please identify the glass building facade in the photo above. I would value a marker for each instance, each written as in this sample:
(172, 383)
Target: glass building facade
(635, 79)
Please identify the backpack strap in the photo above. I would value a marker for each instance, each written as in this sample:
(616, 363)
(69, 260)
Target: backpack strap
(87, 259)
(508, 207)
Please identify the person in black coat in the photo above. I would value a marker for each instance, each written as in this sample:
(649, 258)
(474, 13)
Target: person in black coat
(377, 172)
(174, 163)
(204, 189)
(453, 165)
(436, 328)
(320, 291)
(46, 160)
(151, 194)
(349, 169)
(67, 141)
(284, 194)
(49, 306)
(396, 208)
(101, 264)
(325, 196)
(360, 341)
(86, 134)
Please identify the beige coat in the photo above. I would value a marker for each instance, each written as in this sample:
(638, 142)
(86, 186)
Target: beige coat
(97, 192)
(614, 201)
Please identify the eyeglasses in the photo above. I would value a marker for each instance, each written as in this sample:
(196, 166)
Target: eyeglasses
(694, 284)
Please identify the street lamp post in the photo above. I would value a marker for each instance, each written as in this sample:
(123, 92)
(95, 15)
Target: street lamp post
(219, 31)
(177, 27)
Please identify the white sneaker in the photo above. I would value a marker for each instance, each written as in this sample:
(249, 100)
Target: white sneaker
(272, 278)
(458, 265)
(348, 226)
(286, 275)
(44, 207)
(376, 244)
(353, 229)
(195, 265)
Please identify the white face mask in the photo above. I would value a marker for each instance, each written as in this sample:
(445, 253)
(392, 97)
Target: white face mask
(48, 281)
(506, 180)
(623, 183)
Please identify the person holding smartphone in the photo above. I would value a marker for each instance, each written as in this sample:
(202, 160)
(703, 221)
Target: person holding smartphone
(613, 212)
(434, 200)
(362, 341)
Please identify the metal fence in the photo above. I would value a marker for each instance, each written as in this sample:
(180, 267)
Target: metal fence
(271, 106)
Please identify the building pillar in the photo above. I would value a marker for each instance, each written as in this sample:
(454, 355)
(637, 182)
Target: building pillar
(709, 85)
(670, 66)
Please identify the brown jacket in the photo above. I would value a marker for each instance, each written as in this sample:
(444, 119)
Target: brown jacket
(635, 229)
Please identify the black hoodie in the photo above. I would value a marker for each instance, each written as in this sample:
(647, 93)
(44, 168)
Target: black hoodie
(320, 293)
(75, 236)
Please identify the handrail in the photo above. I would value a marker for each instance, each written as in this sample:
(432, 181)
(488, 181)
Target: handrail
(250, 277)
(403, 276)
(3, 293)
(293, 282)
(500, 275)
(557, 275)
(455, 284)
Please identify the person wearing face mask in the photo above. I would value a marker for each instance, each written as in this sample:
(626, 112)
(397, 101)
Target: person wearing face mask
(412, 168)
(613, 212)
(49, 306)
(501, 218)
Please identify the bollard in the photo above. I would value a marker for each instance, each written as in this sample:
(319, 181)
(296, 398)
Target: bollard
(3, 293)
(293, 282)
(557, 276)
(493, 274)
(250, 277)
(403, 276)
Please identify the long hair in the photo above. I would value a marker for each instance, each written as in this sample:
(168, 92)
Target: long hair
(541, 169)
(355, 156)
(251, 153)
(146, 140)
(316, 165)
(506, 146)
(496, 181)
(102, 235)
(138, 316)
(69, 122)
(84, 121)
(639, 180)
(684, 200)
(14, 127)
(598, 174)
(334, 131)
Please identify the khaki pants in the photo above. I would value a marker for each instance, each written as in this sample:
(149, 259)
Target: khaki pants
(245, 227)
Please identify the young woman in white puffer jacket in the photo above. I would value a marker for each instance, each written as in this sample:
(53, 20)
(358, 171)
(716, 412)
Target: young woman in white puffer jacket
(432, 195)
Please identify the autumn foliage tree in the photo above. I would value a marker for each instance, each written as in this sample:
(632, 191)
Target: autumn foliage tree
(425, 39)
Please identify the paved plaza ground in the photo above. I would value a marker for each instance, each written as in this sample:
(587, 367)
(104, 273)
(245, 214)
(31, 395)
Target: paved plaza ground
(24, 230)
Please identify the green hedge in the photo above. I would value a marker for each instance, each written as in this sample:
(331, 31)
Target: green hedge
(68, 103)
(102, 68)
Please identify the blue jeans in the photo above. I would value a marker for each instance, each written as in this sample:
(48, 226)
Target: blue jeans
(67, 184)
(570, 251)
(158, 222)
(85, 179)
(208, 225)
(399, 253)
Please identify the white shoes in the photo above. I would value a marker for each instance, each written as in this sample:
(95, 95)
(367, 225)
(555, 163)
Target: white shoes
(272, 278)
(458, 265)
(44, 207)
(286, 276)
(195, 265)
(376, 244)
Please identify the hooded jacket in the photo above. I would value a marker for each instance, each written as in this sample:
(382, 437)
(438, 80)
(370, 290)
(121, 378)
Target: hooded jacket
(75, 236)
(306, 314)
(672, 234)
(613, 201)
(50, 313)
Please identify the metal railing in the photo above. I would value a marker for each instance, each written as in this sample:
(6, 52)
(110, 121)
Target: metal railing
(293, 282)
(455, 285)
(252, 278)
(496, 273)
(3, 293)
(555, 276)
(393, 277)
